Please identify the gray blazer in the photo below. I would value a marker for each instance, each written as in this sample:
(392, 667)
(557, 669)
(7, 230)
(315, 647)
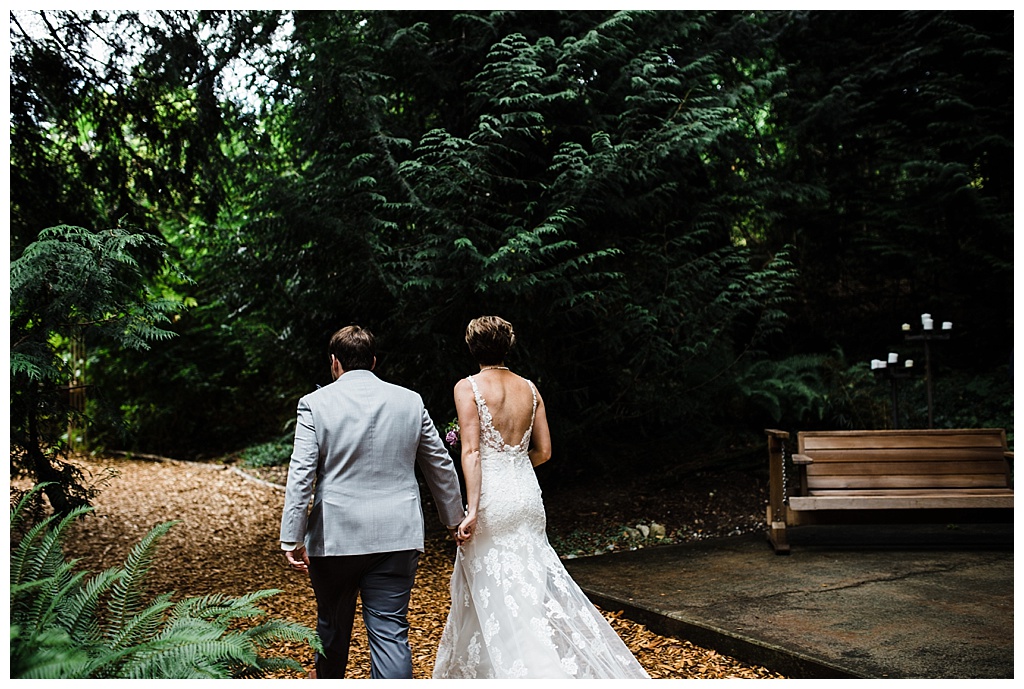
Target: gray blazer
(357, 442)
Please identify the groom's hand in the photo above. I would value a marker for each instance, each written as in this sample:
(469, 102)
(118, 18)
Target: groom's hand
(298, 559)
(465, 530)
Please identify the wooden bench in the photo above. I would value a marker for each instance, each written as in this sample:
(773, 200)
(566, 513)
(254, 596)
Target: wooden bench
(901, 476)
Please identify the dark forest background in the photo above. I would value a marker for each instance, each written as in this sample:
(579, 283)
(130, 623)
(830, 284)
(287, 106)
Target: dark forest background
(701, 224)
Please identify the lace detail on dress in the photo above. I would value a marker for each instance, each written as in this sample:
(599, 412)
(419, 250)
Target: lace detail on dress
(489, 435)
(516, 612)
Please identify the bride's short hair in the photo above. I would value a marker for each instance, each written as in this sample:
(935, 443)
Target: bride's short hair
(489, 339)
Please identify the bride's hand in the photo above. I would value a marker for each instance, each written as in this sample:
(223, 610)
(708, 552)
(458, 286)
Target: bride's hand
(465, 530)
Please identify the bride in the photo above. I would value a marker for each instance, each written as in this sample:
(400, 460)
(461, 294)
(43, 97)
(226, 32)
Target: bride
(515, 611)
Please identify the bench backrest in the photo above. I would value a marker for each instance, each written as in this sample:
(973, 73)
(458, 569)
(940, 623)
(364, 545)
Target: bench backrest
(905, 459)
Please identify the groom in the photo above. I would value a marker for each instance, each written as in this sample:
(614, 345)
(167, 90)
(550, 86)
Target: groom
(357, 442)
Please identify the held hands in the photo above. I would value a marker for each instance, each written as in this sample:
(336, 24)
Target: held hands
(465, 530)
(297, 559)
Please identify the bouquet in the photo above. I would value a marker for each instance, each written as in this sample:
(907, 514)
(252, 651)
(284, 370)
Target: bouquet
(452, 433)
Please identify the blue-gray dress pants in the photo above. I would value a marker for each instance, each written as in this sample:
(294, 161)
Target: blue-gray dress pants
(384, 582)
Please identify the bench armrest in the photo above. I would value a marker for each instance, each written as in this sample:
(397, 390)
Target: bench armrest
(773, 433)
(802, 459)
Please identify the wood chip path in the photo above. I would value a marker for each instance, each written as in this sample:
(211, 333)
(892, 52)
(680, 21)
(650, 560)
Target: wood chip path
(227, 543)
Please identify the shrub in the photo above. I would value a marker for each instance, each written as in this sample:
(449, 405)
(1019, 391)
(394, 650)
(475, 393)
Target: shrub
(272, 454)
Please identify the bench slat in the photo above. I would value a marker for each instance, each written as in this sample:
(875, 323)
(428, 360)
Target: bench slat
(906, 432)
(878, 502)
(944, 454)
(950, 481)
(816, 440)
(990, 466)
(912, 492)
(916, 492)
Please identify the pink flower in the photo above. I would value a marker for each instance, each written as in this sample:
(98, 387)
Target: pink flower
(452, 437)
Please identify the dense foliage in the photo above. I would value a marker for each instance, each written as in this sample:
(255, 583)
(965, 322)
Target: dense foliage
(903, 126)
(74, 284)
(68, 625)
(699, 222)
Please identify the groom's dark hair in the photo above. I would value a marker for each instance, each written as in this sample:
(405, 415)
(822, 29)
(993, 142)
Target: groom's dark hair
(353, 347)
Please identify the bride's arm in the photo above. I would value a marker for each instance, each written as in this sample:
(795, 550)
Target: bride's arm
(469, 439)
(540, 445)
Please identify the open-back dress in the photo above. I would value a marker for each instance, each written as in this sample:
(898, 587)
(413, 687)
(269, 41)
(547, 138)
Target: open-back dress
(516, 612)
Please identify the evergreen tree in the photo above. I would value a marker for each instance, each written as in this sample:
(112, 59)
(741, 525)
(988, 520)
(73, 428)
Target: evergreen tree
(73, 283)
(903, 122)
(639, 192)
(569, 179)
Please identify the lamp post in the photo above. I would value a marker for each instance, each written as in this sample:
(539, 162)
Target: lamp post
(927, 334)
(890, 370)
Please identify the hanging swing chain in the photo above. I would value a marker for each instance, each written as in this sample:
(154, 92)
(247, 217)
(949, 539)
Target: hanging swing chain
(785, 478)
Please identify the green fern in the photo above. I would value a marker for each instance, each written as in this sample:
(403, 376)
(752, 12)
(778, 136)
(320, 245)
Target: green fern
(792, 389)
(65, 625)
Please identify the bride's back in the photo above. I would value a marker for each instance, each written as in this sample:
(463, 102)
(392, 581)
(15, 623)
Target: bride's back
(509, 398)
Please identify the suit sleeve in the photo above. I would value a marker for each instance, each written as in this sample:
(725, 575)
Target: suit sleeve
(301, 477)
(439, 471)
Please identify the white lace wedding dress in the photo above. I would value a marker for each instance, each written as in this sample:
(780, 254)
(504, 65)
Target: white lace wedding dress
(516, 612)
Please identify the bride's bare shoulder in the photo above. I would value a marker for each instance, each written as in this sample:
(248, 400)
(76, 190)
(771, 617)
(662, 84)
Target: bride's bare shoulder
(529, 384)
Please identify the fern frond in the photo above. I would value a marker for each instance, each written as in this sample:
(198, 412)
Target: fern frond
(39, 554)
(46, 655)
(220, 608)
(281, 630)
(186, 657)
(140, 626)
(126, 598)
(78, 614)
(49, 601)
(265, 666)
(23, 562)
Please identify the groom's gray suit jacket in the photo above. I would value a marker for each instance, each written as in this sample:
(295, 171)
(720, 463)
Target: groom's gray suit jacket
(357, 442)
